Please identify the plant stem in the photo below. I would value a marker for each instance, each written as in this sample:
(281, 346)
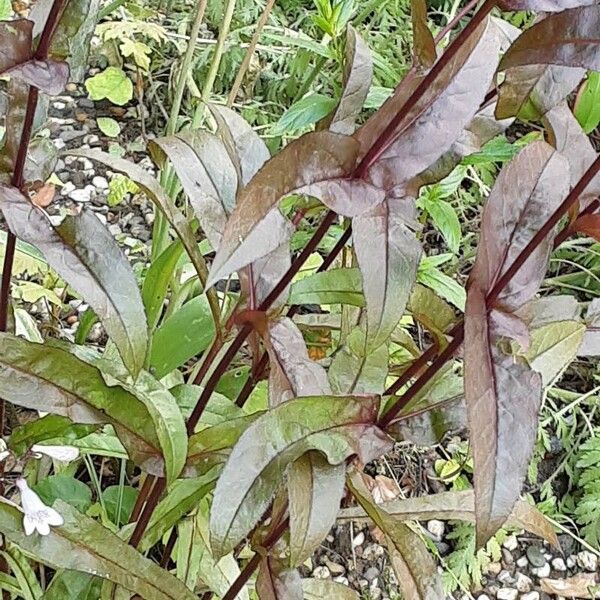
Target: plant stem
(455, 20)
(109, 8)
(390, 132)
(235, 88)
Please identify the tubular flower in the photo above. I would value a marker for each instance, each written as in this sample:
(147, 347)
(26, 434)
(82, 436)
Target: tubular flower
(37, 514)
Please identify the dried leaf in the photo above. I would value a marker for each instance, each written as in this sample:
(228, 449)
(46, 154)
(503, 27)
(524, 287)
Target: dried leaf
(583, 585)
(588, 225)
(568, 38)
(44, 196)
(503, 394)
(254, 229)
(530, 91)
(457, 506)
(358, 73)
(591, 339)
(414, 566)
(317, 589)
(423, 42)
(84, 253)
(459, 90)
(315, 491)
(385, 237)
(337, 427)
(206, 173)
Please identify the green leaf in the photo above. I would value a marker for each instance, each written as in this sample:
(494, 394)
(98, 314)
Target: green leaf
(67, 488)
(157, 280)
(112, 84)
(336, 426)
(83, 252)
(84, 545)
(337, 286)
(22, 568)
(108, 126)
(50, 428)
(5, 10)
(73, 585)
(50, 379)
(587, 105)
(304, 113)
(182, 336)
(102, 444)
(445, 219)
(116, 495)
(443, 285)
(218, 410)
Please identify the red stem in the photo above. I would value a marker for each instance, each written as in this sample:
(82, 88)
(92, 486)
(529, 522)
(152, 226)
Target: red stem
(454, 22)
(390, 132)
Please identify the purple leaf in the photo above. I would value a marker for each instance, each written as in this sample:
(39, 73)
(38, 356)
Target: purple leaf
(15, 43)
(568, 38)
(49, 76)
(543, 5)
(388, 255)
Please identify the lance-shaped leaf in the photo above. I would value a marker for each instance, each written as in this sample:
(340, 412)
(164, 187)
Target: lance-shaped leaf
(358, 73)
(334, 286)
(42, 377)
(385, 237)
(568, 38)
(503, 394)
(458, 90)
(83, 252)
(206, 173)
(456, 506)
(15, 43)
(315, 487)
(276, 582)
(254, 228)
(414, 566)
(316, 589)
(151, 187)
(570, 140)
(544, 5)
(532, 90)
(423, 42)
(82, 544)
(246, 149)
(337, 427)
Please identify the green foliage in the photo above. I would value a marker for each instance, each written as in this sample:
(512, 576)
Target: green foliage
(109, 127)
(587, 508)
(118, 188)
(587, 106)
(112, 84)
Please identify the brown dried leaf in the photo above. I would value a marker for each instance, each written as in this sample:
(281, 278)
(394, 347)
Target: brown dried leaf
(583, 585)
(388, 255)
(44, 196)
(424, 45)
(358, 73)
(252, 230)
(568, 38)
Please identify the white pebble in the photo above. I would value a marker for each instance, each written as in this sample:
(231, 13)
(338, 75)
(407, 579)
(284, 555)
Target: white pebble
(358, 539)
(571, 562)
(100, 182)
(321, 573)
(531, 596)
(588, 561)
(436, 529)
(524, 583)
(507, 594)
(558, 564)
(541, 572)
(522, 562)
(511, 543)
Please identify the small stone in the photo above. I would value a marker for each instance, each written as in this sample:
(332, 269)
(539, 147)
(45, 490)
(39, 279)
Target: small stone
(524, 583)
(511, 543)
(342, 580)
(59, 105)
(81, 116)
(531, 596)
(375, 592)
(494, 568)
(571, 562)
(100, 182)
(507, 557)
(372, 552)
(149, 218)
(67, 188)
(536, 556)
(115, 229)
(86, 164)
(96, 332)
(543, 571)
(371, 574)
(505, 577)
(72, 319)
(334, 568)
(436, 529)
(483, 597)
(358, 539)
(82, 195)
(71, 87)
(507, 594)
(92, 139)
(59, 144)
(522, 562)
(321, 572)
(558, 564)
(587, 560)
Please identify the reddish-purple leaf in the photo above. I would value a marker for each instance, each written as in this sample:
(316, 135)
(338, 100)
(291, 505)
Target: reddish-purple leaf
(253, 229)
(358, 73)
(84, 253)
(570, 140)
(423, 42)
(206, 173)
(569, 38)
(347, 197)
(15, 43)
(458, 91)
(544, 5)
(17, 93)
(413, 564)
(532, 90)
(49, 76)
(338, 427)
(502, 393)
(268, 270)
(388, 255)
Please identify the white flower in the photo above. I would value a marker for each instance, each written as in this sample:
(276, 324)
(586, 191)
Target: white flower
(4, 452)
(64, 453)
(37, 514)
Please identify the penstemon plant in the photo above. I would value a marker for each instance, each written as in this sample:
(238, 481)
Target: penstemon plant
(219, 473)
